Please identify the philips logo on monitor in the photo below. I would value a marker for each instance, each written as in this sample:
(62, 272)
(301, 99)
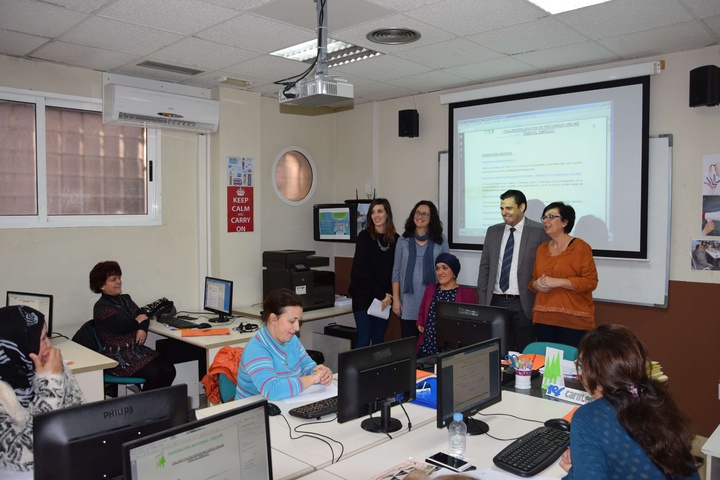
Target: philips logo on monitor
(385, 353)
(118, 412)
(469, 312)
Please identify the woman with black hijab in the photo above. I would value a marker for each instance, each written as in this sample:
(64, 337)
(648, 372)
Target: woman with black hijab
(33, 379)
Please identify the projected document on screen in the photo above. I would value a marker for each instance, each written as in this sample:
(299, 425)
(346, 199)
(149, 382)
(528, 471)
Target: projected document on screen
(587, 148)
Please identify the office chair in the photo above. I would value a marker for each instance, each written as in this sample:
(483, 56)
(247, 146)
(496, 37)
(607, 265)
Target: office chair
(538, 348)
(226, 387)
(112, 382)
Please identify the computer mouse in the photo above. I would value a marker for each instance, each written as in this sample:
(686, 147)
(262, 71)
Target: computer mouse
(273, 409)
(559, 424)
(203, 325)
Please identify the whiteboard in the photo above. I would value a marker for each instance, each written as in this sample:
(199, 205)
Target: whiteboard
(642, 282)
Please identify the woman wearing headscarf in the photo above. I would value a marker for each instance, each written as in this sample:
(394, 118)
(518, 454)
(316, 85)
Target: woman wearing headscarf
(33, 379)
(447, 268)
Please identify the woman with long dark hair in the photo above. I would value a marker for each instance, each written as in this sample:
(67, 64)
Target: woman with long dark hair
(371, 272)
(633, 429)
(414, 267)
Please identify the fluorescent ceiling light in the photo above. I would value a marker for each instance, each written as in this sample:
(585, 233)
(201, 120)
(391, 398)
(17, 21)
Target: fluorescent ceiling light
(559, 6)
(338, 53)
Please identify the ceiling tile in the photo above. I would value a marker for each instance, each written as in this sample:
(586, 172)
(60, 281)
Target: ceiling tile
(449, 54)
(403, 5)
(37, 18)
(704, 8)
(713, 23)
(270, 68)
(110, 34)
(383, 91)
(80, 55)
(260, 34)
(658, 40)
(569, 56)
(382, 68)
(196, 52)
(430, 81)
(496, 69)
(180, 16)
(527, 37)
(465, 17)
(240, 5)
(340, 13)
(18, 44)
(85, 6)
(619, 17)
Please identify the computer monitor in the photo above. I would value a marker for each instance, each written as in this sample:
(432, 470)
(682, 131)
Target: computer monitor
(218, 298)
(468, 380)
(375, 378)
(85, 441)
(335, 222)
(462, 324)
(231, 444)
(39, 301)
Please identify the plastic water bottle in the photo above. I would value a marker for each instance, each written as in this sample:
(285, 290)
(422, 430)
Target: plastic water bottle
(457, 436)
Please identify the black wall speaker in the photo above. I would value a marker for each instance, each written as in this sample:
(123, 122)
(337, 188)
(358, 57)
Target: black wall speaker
(408, 123)
(705, 86)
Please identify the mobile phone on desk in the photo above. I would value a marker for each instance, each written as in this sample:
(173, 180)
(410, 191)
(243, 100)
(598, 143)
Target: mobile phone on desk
(444, 460)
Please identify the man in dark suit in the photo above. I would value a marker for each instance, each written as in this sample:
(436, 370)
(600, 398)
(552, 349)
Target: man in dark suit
(510, 289)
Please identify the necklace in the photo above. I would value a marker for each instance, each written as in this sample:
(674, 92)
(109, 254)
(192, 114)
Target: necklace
(380, 245)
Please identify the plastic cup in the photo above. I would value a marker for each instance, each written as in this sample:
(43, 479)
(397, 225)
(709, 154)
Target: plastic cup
(522, 378)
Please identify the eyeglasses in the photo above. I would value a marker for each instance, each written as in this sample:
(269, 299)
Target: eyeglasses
(246, 327)
(549, 217)
(422, 214)
(578, 367)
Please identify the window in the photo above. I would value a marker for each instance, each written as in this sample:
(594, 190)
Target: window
(294, 176)
(60, 166)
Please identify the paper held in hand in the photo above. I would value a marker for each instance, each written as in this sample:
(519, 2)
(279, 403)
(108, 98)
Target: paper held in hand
(376, 310)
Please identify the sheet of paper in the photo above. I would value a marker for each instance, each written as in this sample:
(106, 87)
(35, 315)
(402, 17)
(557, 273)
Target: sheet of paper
(376, 310)
(313, 394)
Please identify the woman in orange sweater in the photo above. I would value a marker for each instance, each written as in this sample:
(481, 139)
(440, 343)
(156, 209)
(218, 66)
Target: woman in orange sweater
(564, 277)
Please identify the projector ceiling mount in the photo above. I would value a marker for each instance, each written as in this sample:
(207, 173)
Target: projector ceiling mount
(322, 90)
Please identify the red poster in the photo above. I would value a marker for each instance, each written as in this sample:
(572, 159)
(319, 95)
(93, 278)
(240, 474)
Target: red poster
(240, 211)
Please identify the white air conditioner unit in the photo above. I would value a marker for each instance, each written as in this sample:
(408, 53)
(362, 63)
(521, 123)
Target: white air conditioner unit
(152, 109)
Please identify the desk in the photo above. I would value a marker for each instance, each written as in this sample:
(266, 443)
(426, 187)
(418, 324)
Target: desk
(211, 343)
(367, 454)
(87, 366)
(481, 449)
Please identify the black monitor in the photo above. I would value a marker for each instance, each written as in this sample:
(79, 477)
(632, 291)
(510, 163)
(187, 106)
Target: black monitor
(462, 324)
(41, 302)
(335, 222)
(218, 298)
(468, 380)
(86, 441)
(230, 444)
(375, 378)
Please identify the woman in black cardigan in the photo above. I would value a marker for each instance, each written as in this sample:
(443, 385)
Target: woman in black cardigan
(372, 271)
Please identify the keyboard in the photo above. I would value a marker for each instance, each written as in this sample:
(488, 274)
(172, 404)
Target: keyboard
(533, 452)
(317, 409)
(176, 322)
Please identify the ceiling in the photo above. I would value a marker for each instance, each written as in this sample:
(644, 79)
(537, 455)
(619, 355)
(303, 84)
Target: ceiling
(464, 42)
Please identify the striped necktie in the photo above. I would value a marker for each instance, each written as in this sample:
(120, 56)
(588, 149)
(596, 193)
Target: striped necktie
(507, 262)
